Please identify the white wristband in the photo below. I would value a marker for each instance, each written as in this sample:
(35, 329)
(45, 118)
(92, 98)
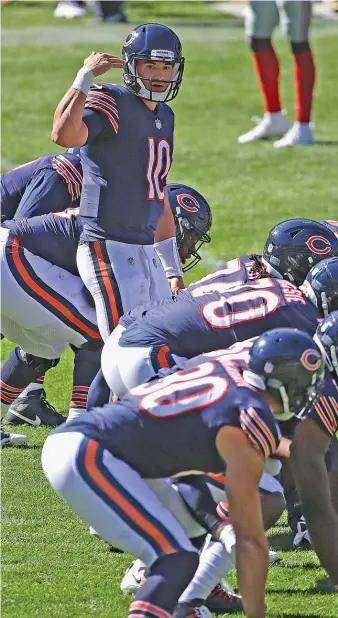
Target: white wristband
(83, 80)
(167, 252)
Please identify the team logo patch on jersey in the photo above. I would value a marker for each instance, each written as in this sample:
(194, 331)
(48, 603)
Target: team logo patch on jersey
(188, 202)
(315, 244)
(158, 123)
(311, 359)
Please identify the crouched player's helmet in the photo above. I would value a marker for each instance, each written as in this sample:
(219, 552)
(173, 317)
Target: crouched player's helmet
(193, 220)
(321, 286)
(288, 362)
(326, 338)
(152, 43)
(294, 246)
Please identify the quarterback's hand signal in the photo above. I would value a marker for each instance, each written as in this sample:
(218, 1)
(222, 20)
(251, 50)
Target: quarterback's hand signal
(100, 63)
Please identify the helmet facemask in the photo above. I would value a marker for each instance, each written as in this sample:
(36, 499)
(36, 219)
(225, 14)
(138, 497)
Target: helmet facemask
(135, 83)
(188, 235)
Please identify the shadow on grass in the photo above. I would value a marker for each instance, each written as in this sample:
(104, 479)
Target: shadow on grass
(324, 142)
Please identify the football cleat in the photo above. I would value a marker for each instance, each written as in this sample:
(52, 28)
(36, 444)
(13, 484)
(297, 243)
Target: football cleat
(301, 539)
(222, 601)
(133, 578)
(69, 10)
(271, 125)
(33, 409)
(273, 557)
(12, 439)
(191, 610)
(300, 134)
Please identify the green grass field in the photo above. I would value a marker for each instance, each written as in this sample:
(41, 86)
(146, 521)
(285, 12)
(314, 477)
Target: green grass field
(51, 567)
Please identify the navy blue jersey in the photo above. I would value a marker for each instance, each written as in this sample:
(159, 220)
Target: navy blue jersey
(236, 272)
(325, 411)
(170, 425)
(139, 312)
(125, 164)
(191, 326)
(50, 183)
(53, 237)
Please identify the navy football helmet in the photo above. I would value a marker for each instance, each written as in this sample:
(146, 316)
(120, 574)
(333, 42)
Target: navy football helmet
(193, 220)
(153, 43)
(326, 338)
(321, 286)
(288, 362)
(294, 246)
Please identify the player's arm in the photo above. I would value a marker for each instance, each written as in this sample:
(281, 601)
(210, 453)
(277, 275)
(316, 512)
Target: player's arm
(309, 446)
(166, 247)
(244, 469)
(69, 129)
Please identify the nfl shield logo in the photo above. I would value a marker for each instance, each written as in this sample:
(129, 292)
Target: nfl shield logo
(158, 123)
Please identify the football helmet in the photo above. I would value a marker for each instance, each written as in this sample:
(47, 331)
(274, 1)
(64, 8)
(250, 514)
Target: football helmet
(321, 286)
(193, 220)
(288, 362)
(326, 338)
(294, 246)
(153, 43)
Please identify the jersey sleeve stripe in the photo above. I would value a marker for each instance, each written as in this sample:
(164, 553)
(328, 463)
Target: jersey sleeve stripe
(69, 164)
(74, 186)
(103, 102)
(325, 420)
(109, 116)
(265, 429)
(328, 410)
(254, 435)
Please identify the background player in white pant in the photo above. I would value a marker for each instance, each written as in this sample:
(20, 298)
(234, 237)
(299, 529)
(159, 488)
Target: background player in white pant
(262, 17)
(125, 135)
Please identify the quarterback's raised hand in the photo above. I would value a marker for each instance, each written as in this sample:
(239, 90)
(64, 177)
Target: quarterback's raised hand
(100, 63)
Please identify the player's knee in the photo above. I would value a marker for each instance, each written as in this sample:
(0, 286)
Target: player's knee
(299, 47)
(258, 45)
(40, 365)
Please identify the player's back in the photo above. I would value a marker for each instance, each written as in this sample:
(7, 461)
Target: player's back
(236, 272)
(167, 426)
(15, 182)
(191, 326)
(53, 237)
(125, 165)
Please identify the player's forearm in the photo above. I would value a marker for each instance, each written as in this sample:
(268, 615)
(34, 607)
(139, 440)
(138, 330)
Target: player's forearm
(252, 568)
(322, 524)
(69, 130)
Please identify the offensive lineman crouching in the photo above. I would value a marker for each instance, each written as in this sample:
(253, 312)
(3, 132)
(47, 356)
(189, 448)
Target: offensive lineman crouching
(194, 419)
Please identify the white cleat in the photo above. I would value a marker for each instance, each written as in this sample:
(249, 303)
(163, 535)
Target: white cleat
(271, 125)
(133, 578)
(12, 439)
(69, 10)
(273, 557)
(302, 537)
(300, 134)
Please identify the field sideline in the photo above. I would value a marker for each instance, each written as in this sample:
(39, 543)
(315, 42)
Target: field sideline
(50, 565)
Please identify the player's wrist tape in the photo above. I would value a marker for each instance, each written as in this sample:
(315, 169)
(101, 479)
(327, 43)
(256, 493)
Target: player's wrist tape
(83, 80)
(167, 252)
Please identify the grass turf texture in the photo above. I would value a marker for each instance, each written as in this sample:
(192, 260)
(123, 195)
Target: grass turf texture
(51, 566)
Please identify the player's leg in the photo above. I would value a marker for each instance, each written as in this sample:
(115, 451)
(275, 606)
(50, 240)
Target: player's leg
(46, 192)
(99, 390)
(21, 407)
(118, 503)
(87, 363)
(298, 19)
(260, 22)
(135, 365)
(159, 285)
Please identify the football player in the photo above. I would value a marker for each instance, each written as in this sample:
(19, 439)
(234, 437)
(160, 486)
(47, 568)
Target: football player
(50, 183)
(207, 414)
(125, 136)
(261, 20)
(54, 237)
